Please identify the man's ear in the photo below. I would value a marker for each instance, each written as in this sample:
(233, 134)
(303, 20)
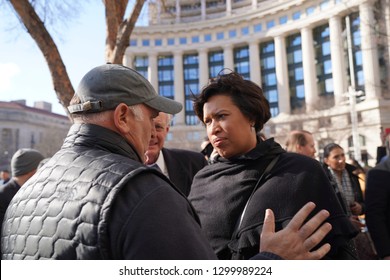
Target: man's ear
(122, 117)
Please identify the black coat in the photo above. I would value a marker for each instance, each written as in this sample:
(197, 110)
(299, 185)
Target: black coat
(182, 165)
(378, 207)
(220, 191)
(7, 192)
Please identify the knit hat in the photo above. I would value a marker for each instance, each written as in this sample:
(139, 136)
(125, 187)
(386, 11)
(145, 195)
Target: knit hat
(106, 86)
(24, 161)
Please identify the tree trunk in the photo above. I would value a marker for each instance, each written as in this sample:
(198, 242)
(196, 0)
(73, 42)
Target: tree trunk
(115, 11)
(62, 84)
(118, 34)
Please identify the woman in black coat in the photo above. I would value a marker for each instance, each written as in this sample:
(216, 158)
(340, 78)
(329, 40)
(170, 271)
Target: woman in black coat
(228, 194)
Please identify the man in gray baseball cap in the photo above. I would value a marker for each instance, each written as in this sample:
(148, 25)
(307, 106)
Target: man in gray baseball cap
(97, 199)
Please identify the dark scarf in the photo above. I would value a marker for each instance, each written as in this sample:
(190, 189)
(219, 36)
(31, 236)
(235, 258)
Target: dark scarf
(224, 187)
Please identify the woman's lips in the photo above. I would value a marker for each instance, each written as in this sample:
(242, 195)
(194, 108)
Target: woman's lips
(218, 141)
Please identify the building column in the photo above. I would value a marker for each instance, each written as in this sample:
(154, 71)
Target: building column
(228, 57)
(282, 75)
(309, 69)
(369, 51)
(203, 9)
(153, 70)
(254, 4)
(228, 7)
(128, 59)
(178, 11)
(203, 68)
(340, 83)
(179, 85)
(254, 62)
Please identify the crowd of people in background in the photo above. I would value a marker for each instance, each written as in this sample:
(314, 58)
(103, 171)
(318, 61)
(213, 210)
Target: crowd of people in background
(113, 191)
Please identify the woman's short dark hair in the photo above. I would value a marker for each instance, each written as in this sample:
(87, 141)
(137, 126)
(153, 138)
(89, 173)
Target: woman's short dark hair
(245, 94)
(329, 148)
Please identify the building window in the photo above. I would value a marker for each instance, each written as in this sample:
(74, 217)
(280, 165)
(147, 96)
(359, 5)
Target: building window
(324, 5)
(268, 75)
(158, 42)
(257, 28)
(165, 70)
(245, 30)
(295, 71)
(232, 33)
(207, 37)
(216, 63)
(145, 42)
(183, 40)
(270, 24)
(220, 36)
(7, 146)
(283, 20)
(241, 61)
(296, 15)
(191, 86)
(324, 63)
(141, 64)
(171, 41)
(133, 43)
(195, 39)
(310, 10)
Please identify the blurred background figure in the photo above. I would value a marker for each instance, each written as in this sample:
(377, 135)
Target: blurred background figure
(4, 176)
(24, 164)
(347, 187)
(179, 165)
(344, 181)
(301, 142)
(206, 148)
(378, 205)
(360, 171)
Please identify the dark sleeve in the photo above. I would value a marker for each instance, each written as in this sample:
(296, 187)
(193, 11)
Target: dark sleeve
(150, 220)
(378, 210)
(7, 192)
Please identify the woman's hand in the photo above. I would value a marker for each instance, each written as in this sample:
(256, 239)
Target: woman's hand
(297, 240)
(356, 208)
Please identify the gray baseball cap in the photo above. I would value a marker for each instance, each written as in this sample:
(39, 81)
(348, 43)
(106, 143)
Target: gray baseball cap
(106, 86)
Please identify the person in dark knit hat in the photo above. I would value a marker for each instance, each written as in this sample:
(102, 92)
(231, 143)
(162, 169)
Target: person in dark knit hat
(24, 164)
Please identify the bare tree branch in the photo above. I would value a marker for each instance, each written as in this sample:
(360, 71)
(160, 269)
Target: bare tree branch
(35, 27)
(124, 32)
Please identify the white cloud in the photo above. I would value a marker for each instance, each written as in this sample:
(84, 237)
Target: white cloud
(7, 72)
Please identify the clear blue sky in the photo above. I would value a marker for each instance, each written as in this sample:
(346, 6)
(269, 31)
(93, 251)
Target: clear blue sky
(24, 73)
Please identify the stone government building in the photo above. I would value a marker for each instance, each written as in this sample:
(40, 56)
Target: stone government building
(35, 127)
(304, 54)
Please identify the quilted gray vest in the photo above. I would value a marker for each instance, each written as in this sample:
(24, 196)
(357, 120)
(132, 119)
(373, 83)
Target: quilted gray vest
(61, 213)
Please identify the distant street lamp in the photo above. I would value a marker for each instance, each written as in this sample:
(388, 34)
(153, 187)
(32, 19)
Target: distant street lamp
(352, 97)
